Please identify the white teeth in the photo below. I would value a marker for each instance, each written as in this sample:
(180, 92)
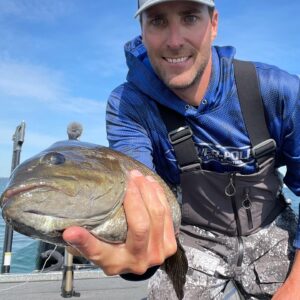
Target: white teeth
(177, 60)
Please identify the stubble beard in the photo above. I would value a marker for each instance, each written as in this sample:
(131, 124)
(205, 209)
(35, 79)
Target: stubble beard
(188, 83)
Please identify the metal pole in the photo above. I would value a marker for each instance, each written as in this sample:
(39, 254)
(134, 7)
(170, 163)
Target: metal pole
(67, 290)
(74, 131)
(18, 139)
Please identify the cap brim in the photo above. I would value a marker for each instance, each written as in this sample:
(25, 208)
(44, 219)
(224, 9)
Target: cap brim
(154, 2)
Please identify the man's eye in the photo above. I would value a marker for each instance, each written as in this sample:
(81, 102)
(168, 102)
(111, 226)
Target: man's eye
(190, 19)
(157, 22)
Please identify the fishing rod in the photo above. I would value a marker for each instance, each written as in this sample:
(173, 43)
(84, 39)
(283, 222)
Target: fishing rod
(18, 139)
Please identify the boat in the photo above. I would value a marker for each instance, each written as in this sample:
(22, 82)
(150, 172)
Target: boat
(88, 284)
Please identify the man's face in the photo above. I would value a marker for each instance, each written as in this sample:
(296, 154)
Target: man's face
(178, 37)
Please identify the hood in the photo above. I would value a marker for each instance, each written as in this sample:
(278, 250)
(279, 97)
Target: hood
(142, 75)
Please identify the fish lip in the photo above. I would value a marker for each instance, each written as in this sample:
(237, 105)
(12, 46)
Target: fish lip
(38, 213)
(11, 192)
(17, 190)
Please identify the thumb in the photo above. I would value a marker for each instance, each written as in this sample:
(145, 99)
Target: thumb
(82, 241)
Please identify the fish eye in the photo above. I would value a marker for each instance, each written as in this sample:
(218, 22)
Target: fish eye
(54, 158)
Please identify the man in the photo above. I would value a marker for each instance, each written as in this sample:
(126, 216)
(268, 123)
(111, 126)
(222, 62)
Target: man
(236, 229)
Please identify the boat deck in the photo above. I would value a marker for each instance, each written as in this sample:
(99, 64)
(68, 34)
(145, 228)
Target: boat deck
(92, 285)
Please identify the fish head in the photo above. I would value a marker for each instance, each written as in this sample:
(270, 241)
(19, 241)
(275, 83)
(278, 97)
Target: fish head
(70, 183)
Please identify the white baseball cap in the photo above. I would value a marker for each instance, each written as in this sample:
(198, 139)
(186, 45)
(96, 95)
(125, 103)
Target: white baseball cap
(144, 4)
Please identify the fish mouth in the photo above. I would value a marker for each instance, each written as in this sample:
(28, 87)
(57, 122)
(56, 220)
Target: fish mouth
(38, 213)
(63, 221)
(15, 191)
(11, 192)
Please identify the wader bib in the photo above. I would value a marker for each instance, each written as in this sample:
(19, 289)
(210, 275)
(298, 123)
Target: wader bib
(229, 204)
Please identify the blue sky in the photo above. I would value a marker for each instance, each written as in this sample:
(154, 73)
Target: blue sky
(59, 60)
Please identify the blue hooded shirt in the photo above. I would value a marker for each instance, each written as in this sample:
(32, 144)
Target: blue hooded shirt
(135, 127)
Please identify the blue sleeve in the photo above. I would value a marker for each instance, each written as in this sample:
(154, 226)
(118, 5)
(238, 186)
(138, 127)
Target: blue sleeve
(286, 124)
(281, 95)
(124, 126)
(291, 148)
(291, 151)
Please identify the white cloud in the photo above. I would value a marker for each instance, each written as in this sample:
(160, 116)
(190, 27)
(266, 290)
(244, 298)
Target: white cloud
(42, 85)
(26, 80)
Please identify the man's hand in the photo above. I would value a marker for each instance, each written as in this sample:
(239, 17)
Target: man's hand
(150, 238)
(290, 289)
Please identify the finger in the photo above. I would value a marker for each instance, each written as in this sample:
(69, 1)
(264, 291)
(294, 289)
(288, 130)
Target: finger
(157, 213)
(163, 217)
(83, 242)
(137, 215)
(169, 233)
(110, 257)
(162, 241)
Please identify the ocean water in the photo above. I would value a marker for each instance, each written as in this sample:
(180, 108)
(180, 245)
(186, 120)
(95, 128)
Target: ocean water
(25, 249)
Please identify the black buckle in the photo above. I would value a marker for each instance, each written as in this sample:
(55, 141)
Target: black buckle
(180, 134)
(263, 148)
(194, 166)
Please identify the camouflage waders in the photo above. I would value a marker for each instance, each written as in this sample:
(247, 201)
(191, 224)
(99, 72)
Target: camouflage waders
(267, 258)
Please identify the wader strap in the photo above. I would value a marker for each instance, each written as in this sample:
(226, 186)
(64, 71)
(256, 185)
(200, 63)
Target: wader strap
(180, 136)
(253, 111)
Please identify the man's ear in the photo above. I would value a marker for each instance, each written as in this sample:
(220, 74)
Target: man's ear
(214, 25)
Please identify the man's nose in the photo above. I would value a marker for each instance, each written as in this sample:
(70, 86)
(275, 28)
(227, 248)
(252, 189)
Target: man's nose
(174, 36)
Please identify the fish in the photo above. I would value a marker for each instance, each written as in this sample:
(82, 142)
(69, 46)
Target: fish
(75, 183)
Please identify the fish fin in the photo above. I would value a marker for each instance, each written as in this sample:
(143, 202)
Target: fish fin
(176, 267)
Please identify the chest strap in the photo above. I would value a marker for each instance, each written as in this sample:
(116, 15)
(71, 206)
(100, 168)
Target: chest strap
(251, 103)
(263, 147)
(184, 147)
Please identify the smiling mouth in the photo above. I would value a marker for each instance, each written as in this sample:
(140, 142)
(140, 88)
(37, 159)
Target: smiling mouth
(176, 60)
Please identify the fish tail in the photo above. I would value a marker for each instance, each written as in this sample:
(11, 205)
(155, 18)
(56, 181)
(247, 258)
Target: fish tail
(176, 267)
